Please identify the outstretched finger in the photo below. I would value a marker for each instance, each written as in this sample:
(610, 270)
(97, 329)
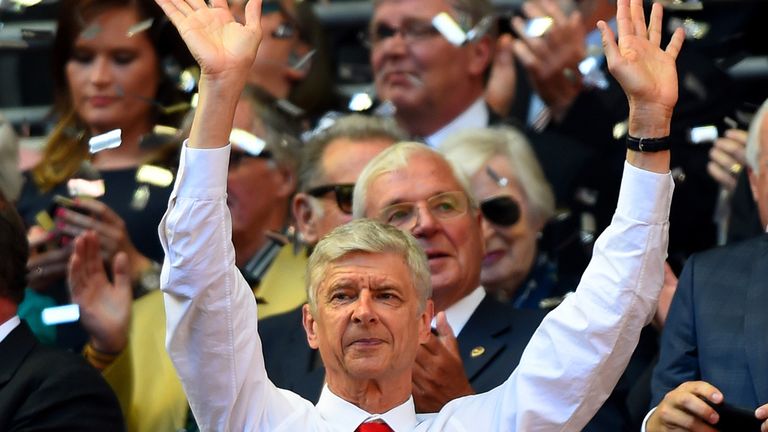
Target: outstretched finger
(610, 48)
(676, 43)
(75, 271)
(638, 18)
(92, 256)
(654, 26)
(623, 19)
(172, 11)
(121, 272)
(253, 16)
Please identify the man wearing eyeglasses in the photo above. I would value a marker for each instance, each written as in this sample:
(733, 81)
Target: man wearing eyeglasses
(436, 87)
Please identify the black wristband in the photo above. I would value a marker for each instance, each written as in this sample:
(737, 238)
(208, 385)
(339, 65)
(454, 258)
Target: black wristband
(648, 145)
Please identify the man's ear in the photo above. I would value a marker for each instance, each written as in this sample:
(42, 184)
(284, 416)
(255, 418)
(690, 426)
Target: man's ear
(481, 55)
(306, 219)
(753, 182)
(309, 326)
(286, 182)
(425, 322)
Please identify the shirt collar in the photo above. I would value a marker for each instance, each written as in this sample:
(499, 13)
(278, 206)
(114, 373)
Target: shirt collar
(476, 116)
(7, 327)
(344, 416)
(459, 313)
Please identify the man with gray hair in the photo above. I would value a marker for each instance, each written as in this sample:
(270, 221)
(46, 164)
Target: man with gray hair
(713, 346)
(367, 324)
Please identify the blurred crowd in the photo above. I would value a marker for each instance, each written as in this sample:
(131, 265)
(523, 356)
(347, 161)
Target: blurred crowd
(520, 103)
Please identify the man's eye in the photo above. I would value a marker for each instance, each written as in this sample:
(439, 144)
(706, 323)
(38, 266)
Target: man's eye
(445, 207)
(397, 215)
(340, 297)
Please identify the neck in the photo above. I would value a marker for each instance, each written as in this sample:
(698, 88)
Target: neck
(425, 121)
(8, 309)
(371, 395)
(129, 154)
(248, 241)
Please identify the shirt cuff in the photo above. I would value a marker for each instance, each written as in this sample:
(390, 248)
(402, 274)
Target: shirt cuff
(645, 196)
(202, 172)
(645, 420)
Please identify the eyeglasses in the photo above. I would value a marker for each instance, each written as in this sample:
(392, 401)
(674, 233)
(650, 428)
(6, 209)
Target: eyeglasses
(406, 215)
(236, 157)
(343, 193)
(501, 210)
(411, 31)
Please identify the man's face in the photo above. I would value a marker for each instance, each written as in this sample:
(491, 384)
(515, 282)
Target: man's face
(759, 183)
(367, 323)
(245, 174)
(421, 73)
(342, 162)
(454, 246)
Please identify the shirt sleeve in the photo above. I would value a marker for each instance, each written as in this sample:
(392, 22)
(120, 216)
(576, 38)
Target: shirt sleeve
(211, 324)
(580, 350)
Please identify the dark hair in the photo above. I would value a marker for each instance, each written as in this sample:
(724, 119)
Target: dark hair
(66, 149)
(14, 252)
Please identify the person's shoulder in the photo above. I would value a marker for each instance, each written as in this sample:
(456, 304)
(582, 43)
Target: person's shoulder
(733, 252)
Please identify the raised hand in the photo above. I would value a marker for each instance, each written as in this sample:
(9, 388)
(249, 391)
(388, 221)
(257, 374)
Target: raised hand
(646, 72)
(105, 307)
(682, 409)
(221, 45)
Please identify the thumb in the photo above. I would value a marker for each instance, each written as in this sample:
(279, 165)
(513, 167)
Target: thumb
(443, 328)
(121, 271)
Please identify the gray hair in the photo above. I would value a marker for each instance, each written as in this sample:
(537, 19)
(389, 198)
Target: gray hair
(753, 138)
(368, 236)
(353, 127)
(471, 149)
(395, 158)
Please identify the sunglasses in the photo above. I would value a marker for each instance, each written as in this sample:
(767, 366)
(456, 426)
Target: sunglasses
(236, 157)
(342, 192)
(501, 210)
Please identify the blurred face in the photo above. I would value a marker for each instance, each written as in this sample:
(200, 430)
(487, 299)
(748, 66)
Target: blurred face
(509, 250)
(254, 185)
(279, 50)
(342, 162)
(759, 182)
(454, 246)
(111, 76)
(367, 324)
(423, 72)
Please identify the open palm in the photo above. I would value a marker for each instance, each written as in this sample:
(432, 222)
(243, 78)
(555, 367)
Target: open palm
(645, 71)
(220, 44)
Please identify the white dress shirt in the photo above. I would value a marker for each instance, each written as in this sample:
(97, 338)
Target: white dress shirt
(476, 116)
(7, 327)
(569, 368)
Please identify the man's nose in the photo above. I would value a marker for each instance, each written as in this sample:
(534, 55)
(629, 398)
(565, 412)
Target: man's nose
(364, 312)
(426, 223)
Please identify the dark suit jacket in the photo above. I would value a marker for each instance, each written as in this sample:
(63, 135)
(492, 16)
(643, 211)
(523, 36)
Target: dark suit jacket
(717, 323)
(497, 330)
(45, 389)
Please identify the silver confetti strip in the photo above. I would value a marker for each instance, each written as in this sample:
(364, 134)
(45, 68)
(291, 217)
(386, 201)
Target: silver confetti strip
(109, 140)
(140, 27)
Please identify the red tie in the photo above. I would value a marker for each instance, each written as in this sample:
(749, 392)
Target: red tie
(374, 426)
